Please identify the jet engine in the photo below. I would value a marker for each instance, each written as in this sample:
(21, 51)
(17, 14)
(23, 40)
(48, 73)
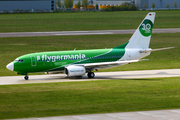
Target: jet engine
(75, 70)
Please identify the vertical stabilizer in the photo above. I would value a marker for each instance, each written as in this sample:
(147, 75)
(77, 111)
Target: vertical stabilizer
(141, 37)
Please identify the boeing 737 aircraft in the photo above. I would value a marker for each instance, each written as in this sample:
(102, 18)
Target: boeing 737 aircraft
(80, 62)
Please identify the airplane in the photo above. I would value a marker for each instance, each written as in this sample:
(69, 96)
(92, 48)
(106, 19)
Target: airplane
(80, 62)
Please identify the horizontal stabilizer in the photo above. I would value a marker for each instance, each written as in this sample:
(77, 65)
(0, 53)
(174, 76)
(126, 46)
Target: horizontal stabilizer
(144, 51)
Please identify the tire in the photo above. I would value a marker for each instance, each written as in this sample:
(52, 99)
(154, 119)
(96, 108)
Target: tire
(26, 77)
(90, 75)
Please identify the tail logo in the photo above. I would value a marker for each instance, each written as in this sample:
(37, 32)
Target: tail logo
(146, 28)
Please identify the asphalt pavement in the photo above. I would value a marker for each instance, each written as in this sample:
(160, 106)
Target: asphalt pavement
(140, 74)
(92, 32)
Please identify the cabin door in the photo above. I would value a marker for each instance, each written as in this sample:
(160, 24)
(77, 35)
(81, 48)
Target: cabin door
(33, 61)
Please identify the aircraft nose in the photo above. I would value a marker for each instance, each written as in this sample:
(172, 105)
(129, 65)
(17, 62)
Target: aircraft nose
(10, 66)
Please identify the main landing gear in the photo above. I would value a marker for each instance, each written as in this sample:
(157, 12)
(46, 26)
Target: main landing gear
(26, 77)
(90, 75)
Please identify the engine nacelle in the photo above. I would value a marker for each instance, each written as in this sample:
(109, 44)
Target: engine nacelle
(75, 70)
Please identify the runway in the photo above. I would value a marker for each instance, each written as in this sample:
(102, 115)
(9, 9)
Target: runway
(98, 76)
(93, 32)
(173, 114)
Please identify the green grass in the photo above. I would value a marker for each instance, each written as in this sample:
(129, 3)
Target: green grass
(11, 48)
(84, 21)
(56, 99)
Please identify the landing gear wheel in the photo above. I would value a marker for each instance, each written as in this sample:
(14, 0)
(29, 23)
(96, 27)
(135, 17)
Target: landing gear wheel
(26, 77)
(90, 75)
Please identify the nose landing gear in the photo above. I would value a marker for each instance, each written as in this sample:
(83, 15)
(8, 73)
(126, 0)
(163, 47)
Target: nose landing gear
(26, 77)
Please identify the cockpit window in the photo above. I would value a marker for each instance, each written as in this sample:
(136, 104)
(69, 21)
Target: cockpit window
(20, 60)
(17, 60)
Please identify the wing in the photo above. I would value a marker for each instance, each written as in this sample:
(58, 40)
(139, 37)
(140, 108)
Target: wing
(92, 66)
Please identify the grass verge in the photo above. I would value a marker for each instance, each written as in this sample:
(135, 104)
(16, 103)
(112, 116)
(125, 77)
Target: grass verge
(56, 99)
(84, 21)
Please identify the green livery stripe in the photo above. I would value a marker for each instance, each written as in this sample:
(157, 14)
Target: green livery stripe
(112, 55)
(121, 46)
